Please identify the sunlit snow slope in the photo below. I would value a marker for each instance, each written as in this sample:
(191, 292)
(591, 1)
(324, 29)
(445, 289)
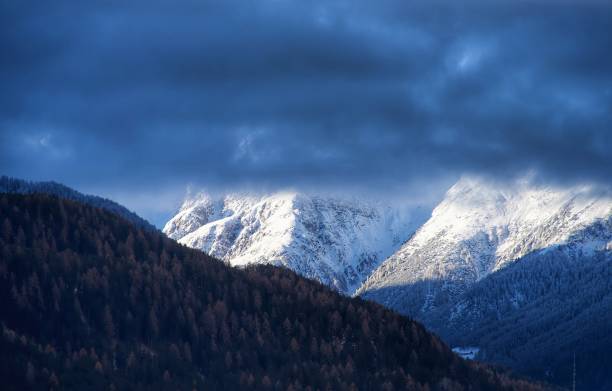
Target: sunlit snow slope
(338, 242)
(481, 227)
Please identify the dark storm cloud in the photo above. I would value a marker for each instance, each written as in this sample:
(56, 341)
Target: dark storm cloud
(160, 93)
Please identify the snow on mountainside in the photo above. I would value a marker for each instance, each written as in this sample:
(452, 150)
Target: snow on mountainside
(480, 227)
(338, 242)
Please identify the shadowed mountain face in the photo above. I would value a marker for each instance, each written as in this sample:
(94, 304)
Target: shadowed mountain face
(535, 314)
(88, 300)
(531, 316)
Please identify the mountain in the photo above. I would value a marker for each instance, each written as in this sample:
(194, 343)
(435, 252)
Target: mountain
(90, 301)
(535, 314)
(18, 186)
(521, 270)
(481, 227)
(337, 242)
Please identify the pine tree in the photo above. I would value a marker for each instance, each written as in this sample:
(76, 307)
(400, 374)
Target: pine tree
(30, 373)
(109, 326)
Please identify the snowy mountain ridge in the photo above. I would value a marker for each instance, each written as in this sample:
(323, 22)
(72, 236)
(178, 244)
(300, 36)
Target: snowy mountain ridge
(479, 228)
(336, 241)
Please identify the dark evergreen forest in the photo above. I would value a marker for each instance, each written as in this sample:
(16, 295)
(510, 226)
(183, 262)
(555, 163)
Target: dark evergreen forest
(91, 301)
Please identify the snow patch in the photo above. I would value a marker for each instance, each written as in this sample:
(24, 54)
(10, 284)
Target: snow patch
(467, 353)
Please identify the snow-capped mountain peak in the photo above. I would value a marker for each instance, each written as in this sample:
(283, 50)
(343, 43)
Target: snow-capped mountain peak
(336, 241)
(479, 228)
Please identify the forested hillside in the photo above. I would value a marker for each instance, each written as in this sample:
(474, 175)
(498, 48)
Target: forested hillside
(536, 314)
(90, 301)
(19, 186)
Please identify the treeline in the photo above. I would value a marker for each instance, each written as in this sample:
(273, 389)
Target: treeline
(89, 301)
(19, 186)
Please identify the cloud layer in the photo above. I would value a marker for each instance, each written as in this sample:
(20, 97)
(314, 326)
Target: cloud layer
(352, 94)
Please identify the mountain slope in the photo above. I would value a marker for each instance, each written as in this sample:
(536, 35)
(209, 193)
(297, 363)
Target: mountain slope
(481, 227)
(522, 272)
(336, 242)
(18, 186)
(88, 301)
(536, 313)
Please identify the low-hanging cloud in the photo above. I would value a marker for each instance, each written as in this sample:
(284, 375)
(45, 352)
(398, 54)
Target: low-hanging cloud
(350, 94)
